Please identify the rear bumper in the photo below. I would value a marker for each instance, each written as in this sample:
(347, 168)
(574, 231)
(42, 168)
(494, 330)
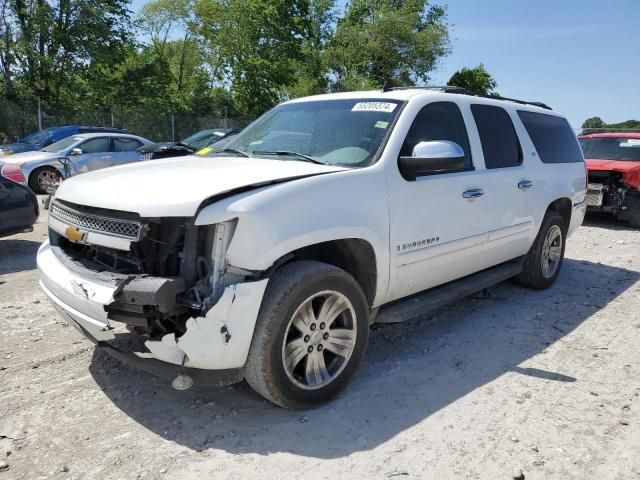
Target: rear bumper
(209, 357)
(577, 217)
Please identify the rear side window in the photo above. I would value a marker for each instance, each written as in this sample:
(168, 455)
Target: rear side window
(500, 144)
(125, 144)
(552, 136)
(95, 145)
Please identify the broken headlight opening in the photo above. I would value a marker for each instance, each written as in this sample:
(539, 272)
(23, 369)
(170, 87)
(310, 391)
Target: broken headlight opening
(606, 191)
(174, 272)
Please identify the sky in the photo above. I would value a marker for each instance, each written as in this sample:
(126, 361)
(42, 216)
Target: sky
(581, 57)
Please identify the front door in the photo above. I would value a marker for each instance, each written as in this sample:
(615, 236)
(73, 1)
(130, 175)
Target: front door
(96, 154)
(438, 223)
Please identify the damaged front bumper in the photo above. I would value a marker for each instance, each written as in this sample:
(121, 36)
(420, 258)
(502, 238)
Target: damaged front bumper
(212, 350)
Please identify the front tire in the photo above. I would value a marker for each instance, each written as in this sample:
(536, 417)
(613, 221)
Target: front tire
(543, 262)
(310, 336)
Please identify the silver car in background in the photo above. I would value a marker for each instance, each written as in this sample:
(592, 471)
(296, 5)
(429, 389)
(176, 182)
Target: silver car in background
(86, 152)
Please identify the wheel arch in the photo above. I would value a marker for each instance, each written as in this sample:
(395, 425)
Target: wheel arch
(353, 255)
(562, 206)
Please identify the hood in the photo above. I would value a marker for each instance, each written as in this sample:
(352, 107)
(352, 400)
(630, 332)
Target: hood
(629, 169)
(622, 166)
(22, 158)
(175, 187)
(18, 147)
(156, 147)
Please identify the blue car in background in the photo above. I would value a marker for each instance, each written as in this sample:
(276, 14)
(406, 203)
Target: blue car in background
(43, 138)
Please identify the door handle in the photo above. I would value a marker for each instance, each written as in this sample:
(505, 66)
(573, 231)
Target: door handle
(106, 158)
(525, 184)
(472, 193)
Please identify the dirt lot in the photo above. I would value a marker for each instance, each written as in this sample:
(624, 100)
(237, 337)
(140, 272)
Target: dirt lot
(546, 382)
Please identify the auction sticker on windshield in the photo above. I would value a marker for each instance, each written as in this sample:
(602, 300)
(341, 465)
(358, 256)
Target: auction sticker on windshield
(631, 142)
(374, 107)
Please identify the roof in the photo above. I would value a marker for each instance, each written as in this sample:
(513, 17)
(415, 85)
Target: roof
(102, 134)
(408, 93)
(610, 135)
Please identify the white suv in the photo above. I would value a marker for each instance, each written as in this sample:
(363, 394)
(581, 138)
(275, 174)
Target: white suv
(268, 261)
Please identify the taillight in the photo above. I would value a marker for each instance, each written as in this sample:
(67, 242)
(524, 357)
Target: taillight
(586, 176)
(14, 173)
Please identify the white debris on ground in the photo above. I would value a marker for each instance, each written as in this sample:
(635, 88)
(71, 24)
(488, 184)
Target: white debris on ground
(521, 384)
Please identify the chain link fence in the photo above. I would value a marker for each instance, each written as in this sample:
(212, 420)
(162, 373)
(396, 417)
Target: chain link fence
(17, 121)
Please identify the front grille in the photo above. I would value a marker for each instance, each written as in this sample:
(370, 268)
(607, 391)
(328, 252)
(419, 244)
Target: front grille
(128, 229)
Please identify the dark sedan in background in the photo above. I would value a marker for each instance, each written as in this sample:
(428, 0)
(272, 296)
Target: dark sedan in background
(18, 205)
(188, 146)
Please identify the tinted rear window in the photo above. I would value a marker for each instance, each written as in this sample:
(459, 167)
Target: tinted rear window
(552, 136)
(500, 144)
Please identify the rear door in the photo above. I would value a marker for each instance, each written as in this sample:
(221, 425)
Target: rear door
(510, 187)
(124, 150)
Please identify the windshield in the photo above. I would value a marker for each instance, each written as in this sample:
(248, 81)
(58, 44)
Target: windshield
(198, 140)
(611, 148)
(36, 138)
(61, 145)
(334, 132)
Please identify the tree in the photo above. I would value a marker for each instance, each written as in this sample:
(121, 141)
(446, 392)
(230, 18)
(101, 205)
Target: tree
(596, 124)
(476, 80)
(46, 42)
(593, 122)
(392, 42)
(311, 70)
(259, 44)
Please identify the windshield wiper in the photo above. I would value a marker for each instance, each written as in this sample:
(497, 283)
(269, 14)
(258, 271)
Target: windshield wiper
(234, 150)
(302, 156)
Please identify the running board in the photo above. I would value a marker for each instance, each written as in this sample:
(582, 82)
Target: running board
(437, 297)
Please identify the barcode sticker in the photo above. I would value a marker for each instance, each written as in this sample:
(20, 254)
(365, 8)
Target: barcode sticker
(374, 107)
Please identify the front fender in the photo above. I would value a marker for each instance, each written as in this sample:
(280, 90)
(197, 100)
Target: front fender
(278, 219)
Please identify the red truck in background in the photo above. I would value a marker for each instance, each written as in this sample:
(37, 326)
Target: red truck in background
(613, 162)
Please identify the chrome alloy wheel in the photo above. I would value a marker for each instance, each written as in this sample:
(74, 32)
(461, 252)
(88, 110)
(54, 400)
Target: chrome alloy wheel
(319, 340)
(551, 251)
(46, 178)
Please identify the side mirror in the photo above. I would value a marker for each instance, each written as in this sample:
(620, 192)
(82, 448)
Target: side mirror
(428, 158)
(75, 151)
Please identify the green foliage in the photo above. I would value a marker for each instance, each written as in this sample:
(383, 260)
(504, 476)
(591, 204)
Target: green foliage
(477, 80)
(389, 42)
(593, 122)
(597, 125)
(48, 41)
(208, 57)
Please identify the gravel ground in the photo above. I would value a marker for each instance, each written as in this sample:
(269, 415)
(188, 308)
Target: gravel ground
(546, 384)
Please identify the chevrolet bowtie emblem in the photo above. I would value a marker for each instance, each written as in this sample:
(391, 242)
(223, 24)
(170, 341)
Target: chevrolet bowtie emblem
(74, 234)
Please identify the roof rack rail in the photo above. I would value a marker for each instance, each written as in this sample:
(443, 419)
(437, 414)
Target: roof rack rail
(464, 91)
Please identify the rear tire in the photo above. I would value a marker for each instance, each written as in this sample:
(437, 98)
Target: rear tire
(543, 262)
(310, 336)
(40, 175)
